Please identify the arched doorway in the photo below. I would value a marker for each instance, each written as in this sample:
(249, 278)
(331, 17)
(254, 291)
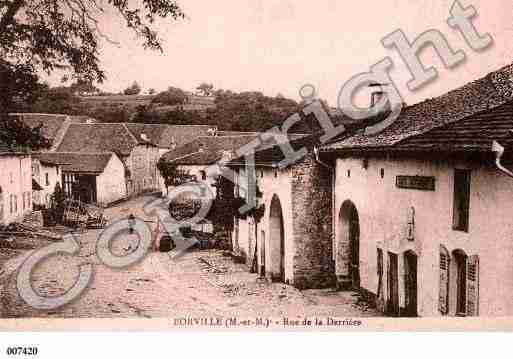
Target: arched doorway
(347, 261)
(410, 284)
(276, 266)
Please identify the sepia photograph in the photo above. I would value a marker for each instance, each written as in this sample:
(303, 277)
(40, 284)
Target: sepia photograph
(255, 165)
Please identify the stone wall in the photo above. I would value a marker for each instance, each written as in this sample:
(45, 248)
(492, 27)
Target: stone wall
(312, 224)
(142, 164)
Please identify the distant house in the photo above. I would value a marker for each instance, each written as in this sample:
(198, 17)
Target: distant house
(168, 137)
(196, 156)
(138, 154)
(45, 176)
(97, 178)
(15, 185)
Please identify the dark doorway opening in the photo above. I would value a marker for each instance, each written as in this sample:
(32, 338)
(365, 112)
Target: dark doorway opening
(348, 253)
(410, 284)
(392, 306)
(276, 241)
(461, 282)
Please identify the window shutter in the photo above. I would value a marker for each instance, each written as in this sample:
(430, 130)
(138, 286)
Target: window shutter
(443, 305)
(473, 286)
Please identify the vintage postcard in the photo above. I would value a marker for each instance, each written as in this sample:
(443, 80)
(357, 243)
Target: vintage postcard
(256, 165)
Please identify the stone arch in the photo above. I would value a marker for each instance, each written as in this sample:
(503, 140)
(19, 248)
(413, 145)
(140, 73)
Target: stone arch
(347, 257)
(275, 267)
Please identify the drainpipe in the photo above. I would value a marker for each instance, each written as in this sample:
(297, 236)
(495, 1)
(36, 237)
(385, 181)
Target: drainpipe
(333, 177)
(499, 151)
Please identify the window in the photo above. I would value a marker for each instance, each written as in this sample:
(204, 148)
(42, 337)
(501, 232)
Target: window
(35, 169)
(47, 179)
(348, 173)
(382, 173)
(203, 175)
(13, 205)
(461, 200)
(11, 180)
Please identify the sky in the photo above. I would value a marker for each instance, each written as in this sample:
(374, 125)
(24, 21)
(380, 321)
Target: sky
(277, 46)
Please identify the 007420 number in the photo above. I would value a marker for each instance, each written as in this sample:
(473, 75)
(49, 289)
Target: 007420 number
(22, 351)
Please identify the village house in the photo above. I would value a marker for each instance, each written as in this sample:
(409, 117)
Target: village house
(412, 217)
(419, 208)
(139, 155)
(15, 185)
(168, 137)
(45, 176)
(195, 157)
(292, 241)
(89, 177)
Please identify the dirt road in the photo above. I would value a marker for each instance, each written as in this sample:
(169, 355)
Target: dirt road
(199, 284)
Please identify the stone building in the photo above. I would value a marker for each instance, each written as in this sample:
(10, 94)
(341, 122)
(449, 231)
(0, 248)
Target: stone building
(15, 185)
(168, 137)
(292, 242)
(421, 208)
(96, 178)
(414, 217)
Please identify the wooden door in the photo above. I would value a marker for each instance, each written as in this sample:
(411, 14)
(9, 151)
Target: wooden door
(410, 284)
(392, 285)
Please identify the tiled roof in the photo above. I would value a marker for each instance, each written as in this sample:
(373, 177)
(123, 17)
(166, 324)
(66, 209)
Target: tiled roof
(207, 150)
(166, 136)
(77, 162)
(51, 123)
(482, 95)
(99, 137)
(472, 134)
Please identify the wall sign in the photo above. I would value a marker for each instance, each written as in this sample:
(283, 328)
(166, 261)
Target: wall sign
(423, 183)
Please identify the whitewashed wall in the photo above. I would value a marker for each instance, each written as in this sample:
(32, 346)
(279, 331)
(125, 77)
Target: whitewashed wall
(16, 184)
(110, 185)
(383, 212)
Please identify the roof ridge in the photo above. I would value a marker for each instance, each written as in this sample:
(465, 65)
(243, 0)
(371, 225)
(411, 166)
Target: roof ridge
(130, 132)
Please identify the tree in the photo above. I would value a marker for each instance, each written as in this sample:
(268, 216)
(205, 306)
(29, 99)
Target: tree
(134, 89)
(205, 88)
(45, 35)
(172, 175)
(151, 91)
(171, 97)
